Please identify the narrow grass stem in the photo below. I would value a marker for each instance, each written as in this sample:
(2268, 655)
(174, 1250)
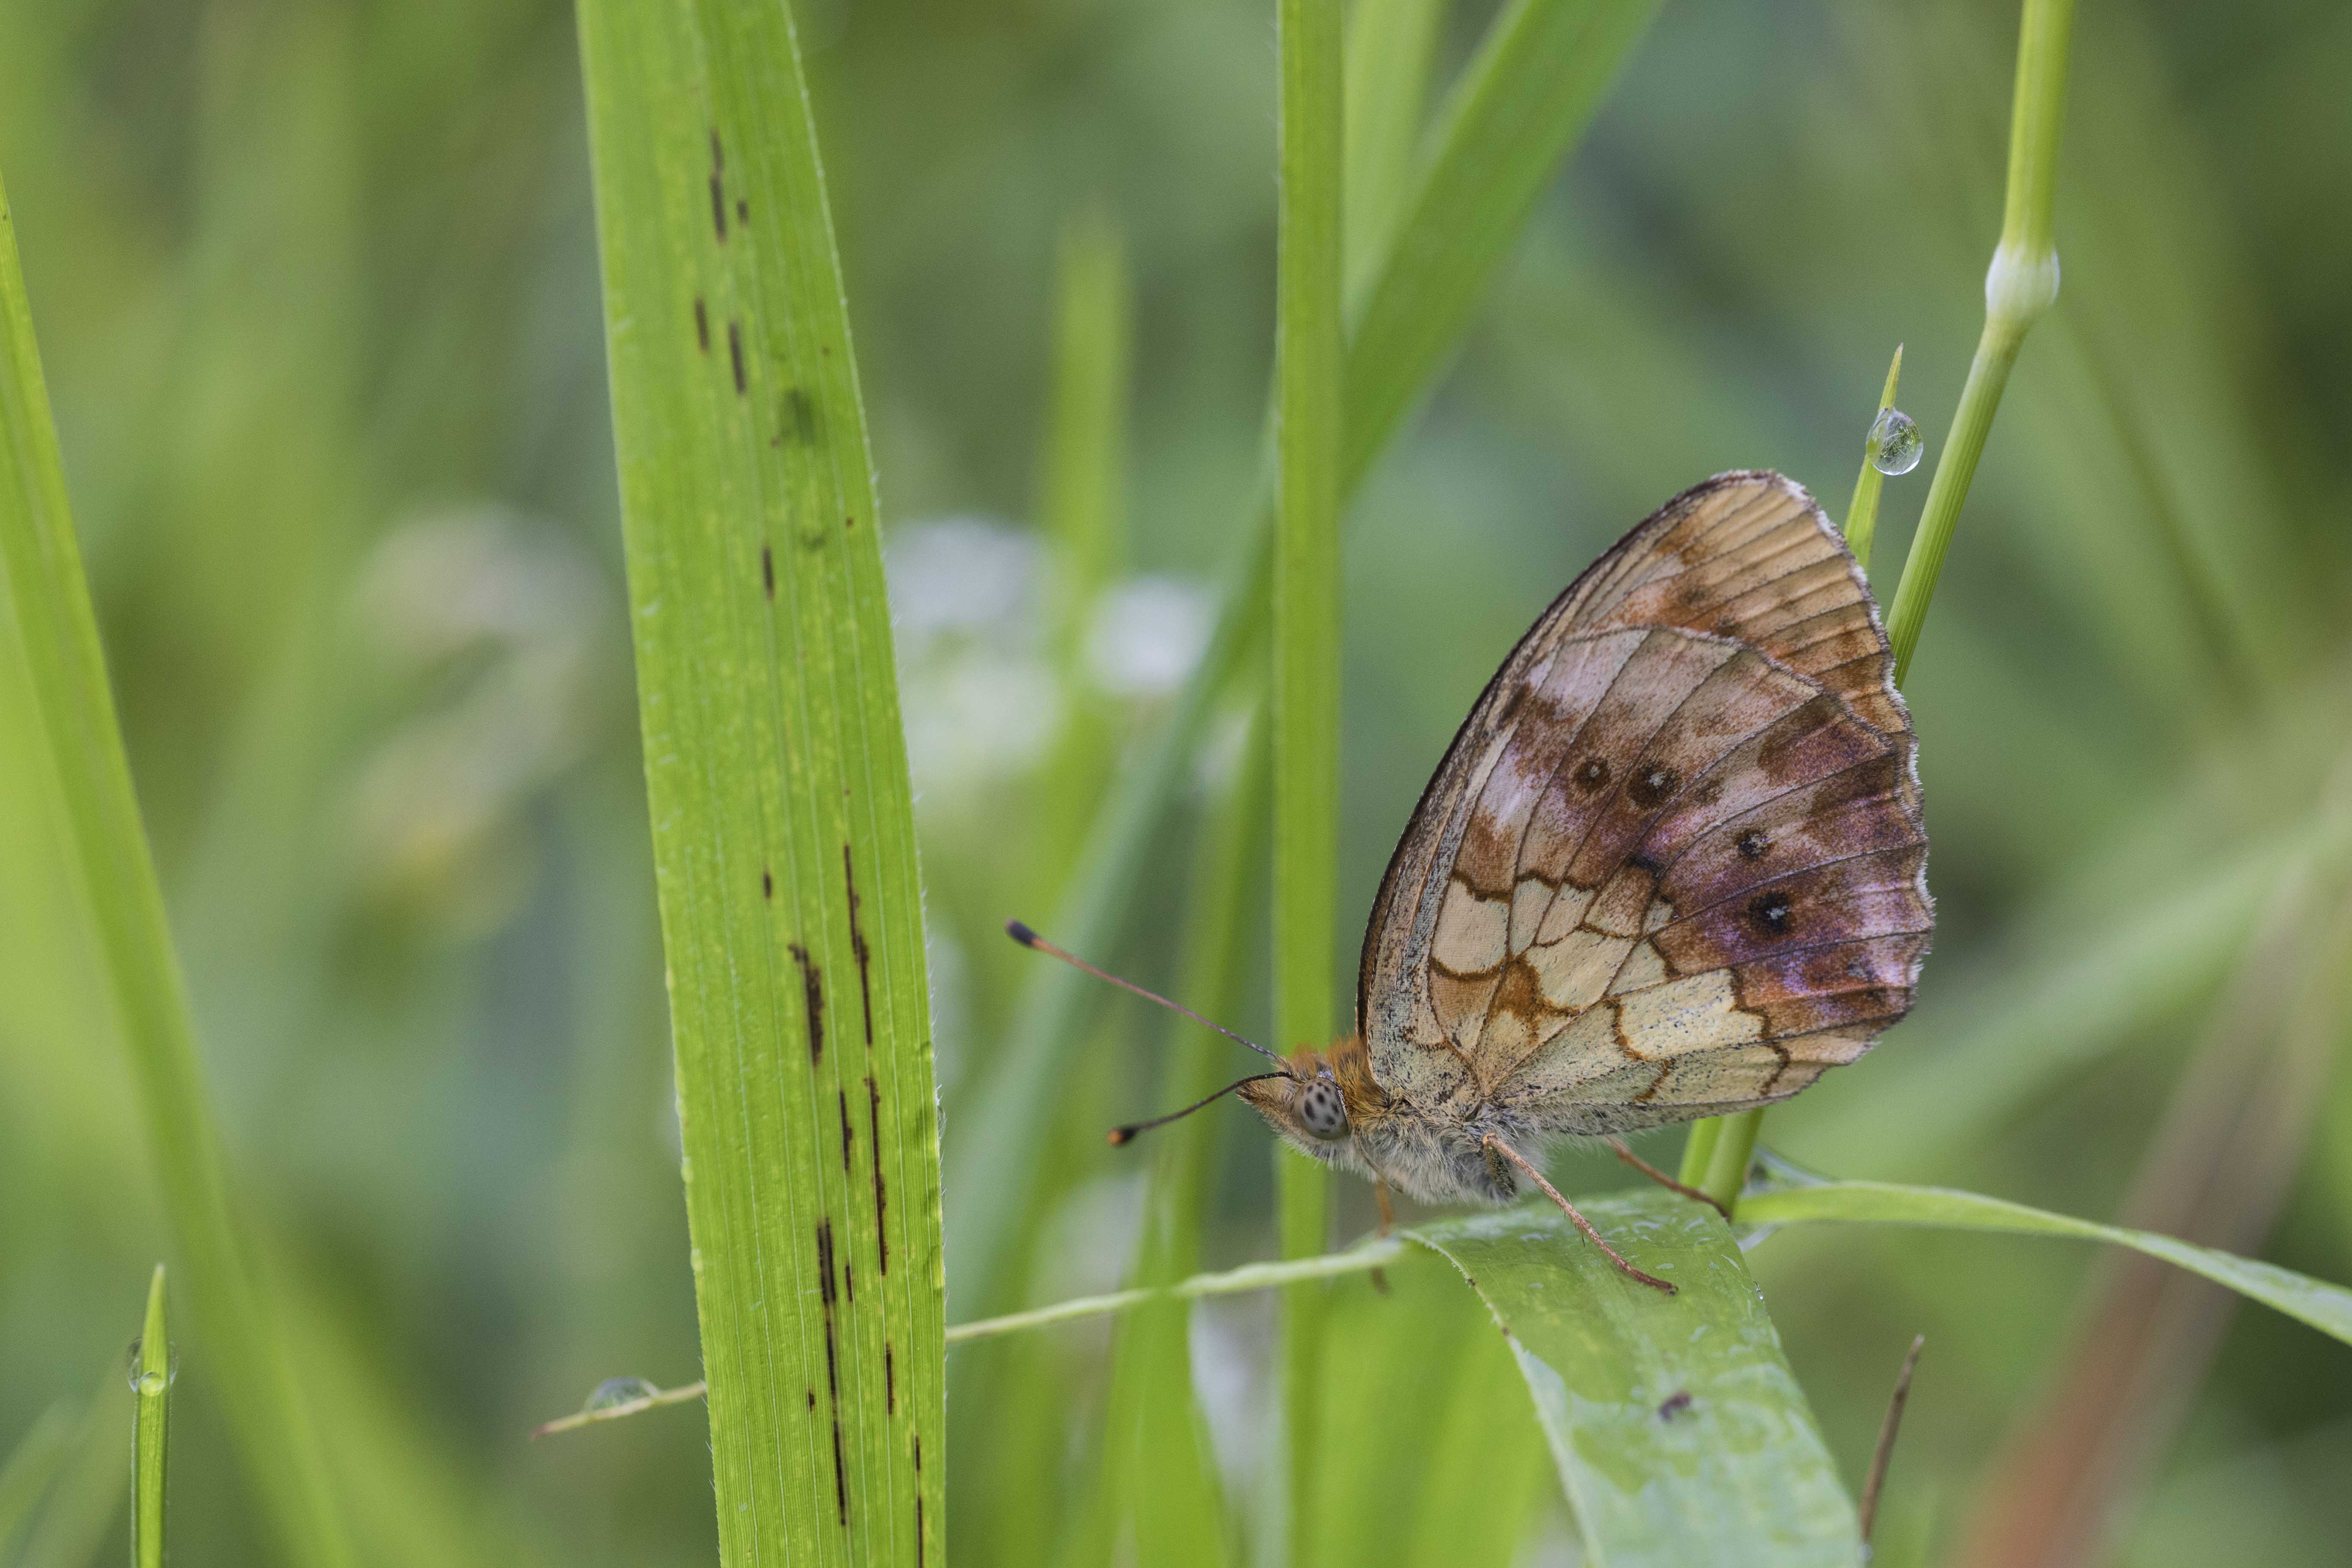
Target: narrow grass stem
(1360, 1259)
(1726, 1166)
(1861, 513)
(1698, 1151)
(150, 1378)
(1956, 467)
(2021, 284)
(683, 1394)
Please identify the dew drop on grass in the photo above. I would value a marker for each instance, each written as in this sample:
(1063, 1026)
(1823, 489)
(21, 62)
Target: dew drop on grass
(151, 1381)
(619, 1390)
(1894, 443)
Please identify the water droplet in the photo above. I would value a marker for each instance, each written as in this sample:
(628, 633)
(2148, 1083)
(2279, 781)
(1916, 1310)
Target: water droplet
(1894, 443)
(619, 1390)
(151, 1382)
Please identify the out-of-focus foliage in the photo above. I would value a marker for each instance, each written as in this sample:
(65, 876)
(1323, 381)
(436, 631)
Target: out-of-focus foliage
(317, 296)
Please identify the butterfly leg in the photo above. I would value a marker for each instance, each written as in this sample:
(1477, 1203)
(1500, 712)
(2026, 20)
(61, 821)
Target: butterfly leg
(1496, 1146)
(1627, 1154)
(1388, 1223)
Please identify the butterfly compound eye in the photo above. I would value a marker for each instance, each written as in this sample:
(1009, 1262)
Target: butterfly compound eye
(1321, 1110)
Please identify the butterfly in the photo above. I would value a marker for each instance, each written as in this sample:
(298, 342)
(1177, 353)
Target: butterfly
(1673, 866)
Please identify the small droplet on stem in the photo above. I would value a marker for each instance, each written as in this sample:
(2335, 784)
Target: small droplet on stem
(1896, 443)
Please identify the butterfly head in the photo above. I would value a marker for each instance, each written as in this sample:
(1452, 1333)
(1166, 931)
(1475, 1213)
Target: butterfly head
(1320, 1100)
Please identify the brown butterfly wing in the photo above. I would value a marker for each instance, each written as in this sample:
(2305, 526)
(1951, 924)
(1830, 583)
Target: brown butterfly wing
(1674, 862)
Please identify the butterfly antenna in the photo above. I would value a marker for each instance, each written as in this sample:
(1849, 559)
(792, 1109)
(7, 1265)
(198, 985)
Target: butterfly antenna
(1125, 1134)
(1028, 938)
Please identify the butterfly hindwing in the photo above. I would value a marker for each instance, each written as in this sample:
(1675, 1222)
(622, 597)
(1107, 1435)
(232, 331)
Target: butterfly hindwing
(1674, 862)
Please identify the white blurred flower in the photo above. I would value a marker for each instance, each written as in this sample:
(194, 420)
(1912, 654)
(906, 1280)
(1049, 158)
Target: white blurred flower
(1145, 635)
(963, 575)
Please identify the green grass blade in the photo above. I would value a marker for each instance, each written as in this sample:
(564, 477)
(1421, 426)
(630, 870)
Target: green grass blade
(49, 599)
(1305, 679)
(1529, 96)
(86, 1499)
(1861, 513)
(1736, 1472)
(151, 1380)
(2327, 1308)
(31, 1465)
(1390, 43)
(1526, 98)
(776, 772)
(1081, 509)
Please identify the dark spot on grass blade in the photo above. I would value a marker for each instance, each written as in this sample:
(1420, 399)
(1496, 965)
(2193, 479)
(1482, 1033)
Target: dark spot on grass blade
(881, 1194)
(889, 1380)
(735, 353)
(768, 570)
(845, 1130)
(719, 206)
(840, 1479)
(857, 944)
(800, 417)
(813, 1001)
(701, 325)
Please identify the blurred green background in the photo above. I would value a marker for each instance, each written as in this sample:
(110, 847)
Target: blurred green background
(315, 289)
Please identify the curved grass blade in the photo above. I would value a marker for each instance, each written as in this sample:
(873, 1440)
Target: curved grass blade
(2327, 1308)
(776, 774)
(49, 599)
(1678, 1429)
(1524, 100)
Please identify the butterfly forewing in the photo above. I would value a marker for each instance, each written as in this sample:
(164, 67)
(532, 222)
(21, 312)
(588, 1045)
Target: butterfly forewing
(1674, 863)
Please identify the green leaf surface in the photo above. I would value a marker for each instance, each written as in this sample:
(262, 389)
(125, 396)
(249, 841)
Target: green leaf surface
(2327, 1308)
(1679, 1431)
(776, 775)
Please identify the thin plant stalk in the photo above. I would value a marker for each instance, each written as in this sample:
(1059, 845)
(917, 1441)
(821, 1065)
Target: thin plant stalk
(151, 1379)
(2021, 284)
(1308, 346)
